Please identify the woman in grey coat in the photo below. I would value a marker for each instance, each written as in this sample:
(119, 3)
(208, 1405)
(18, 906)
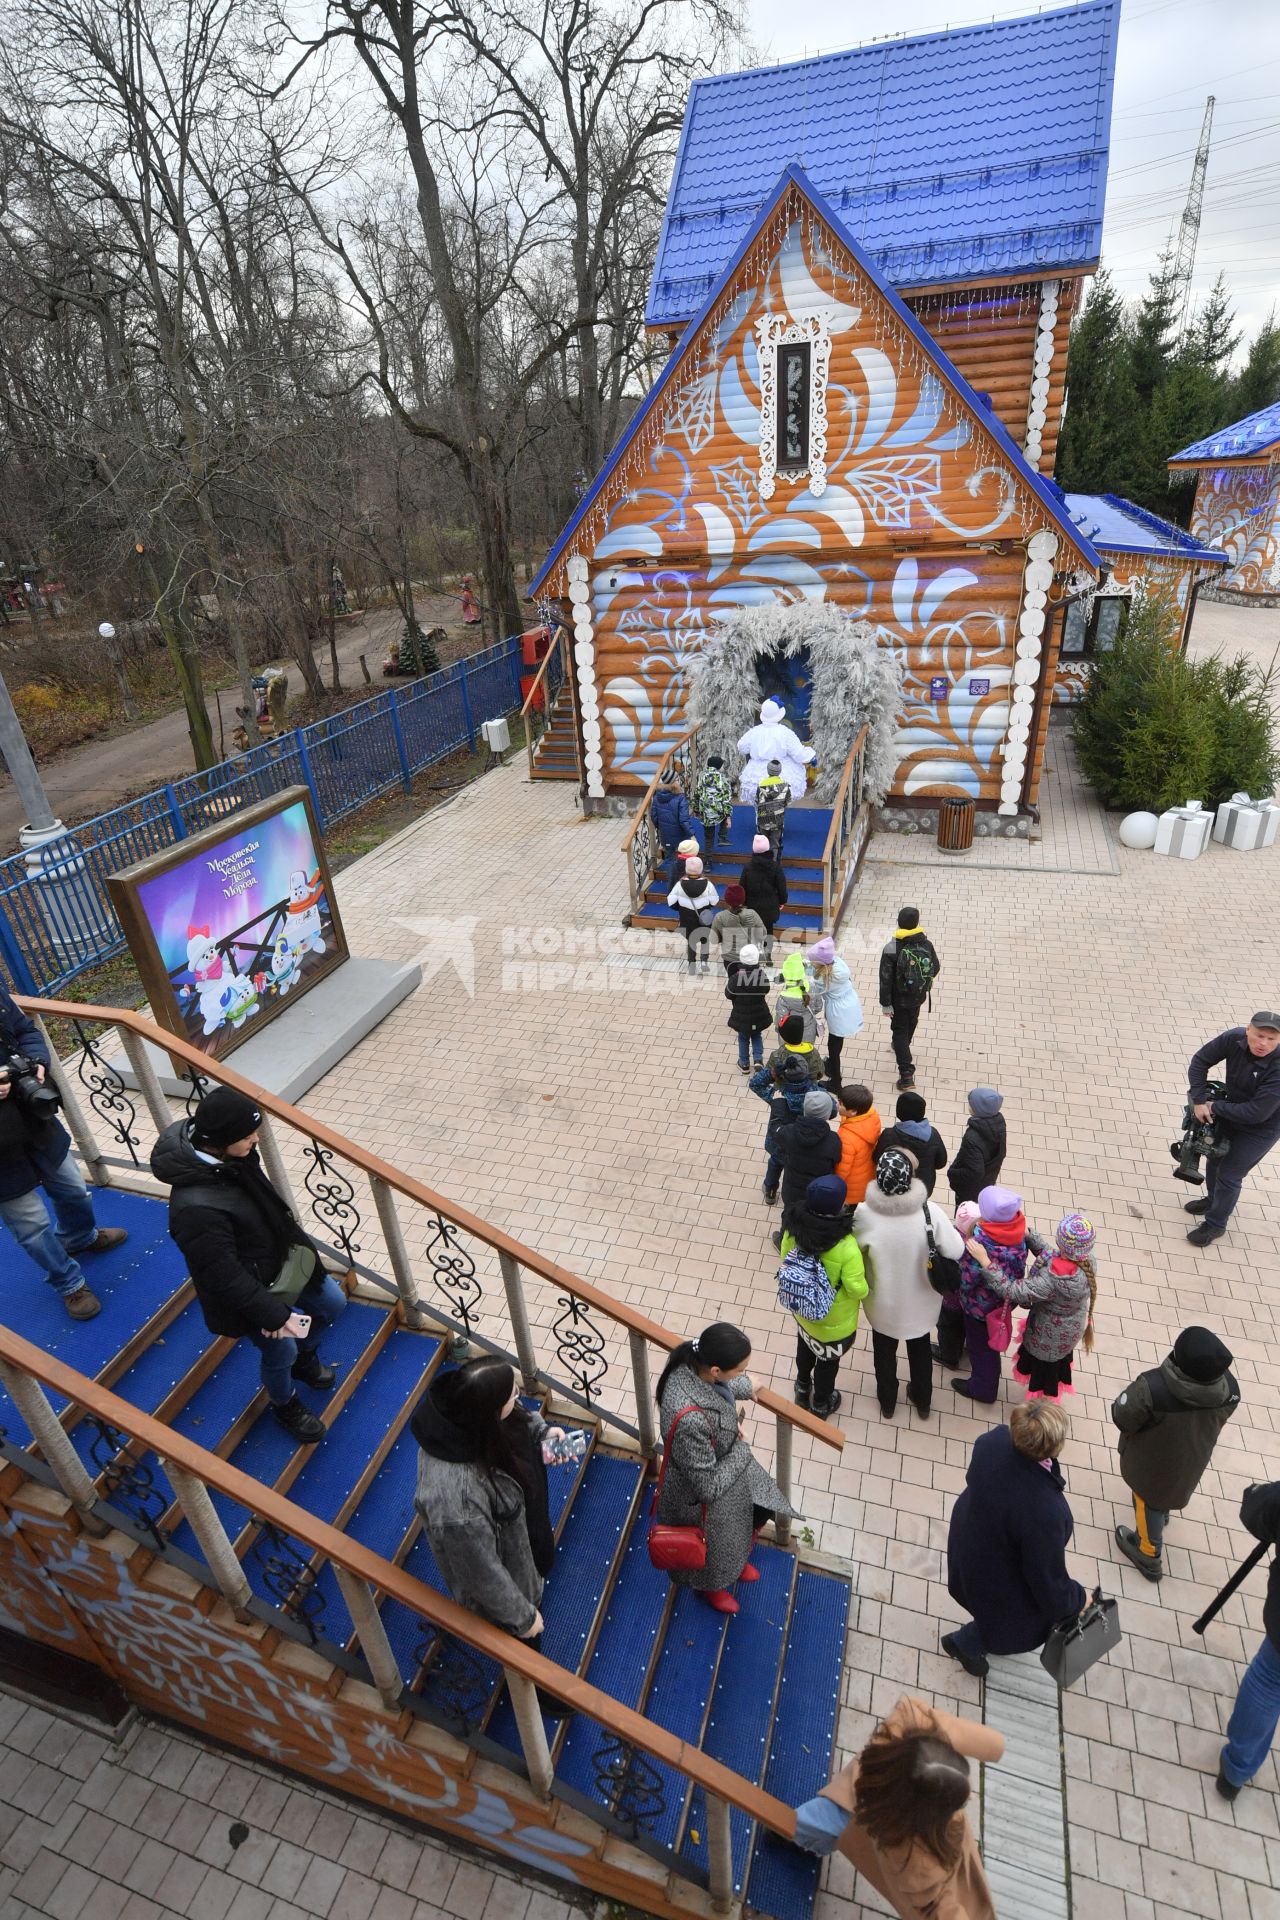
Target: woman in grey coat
(710, 1466)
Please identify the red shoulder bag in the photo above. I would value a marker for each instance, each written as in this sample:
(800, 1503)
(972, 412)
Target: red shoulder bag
(676, 1549)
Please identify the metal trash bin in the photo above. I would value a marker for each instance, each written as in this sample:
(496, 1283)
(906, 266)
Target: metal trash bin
(955, 825)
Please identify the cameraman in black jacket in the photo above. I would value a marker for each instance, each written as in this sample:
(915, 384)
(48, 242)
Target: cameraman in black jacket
(1250, 1114)
(1252, 1726)
(35, 1152)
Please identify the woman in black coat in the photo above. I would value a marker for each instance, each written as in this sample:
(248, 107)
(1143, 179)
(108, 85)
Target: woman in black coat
(764, 883)
(1006, 1550)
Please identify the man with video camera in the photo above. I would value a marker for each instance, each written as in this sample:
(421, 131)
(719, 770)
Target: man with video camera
(35, 1152)
(1249, 1115)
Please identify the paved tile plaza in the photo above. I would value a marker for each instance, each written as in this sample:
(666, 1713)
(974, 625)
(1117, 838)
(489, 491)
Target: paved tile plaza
(590, 1102)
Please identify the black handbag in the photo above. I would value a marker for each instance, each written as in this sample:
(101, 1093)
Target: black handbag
(1076, 1645)
(943, 1272)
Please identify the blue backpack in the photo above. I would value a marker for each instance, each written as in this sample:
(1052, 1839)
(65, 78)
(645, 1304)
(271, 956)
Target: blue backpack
(804, 1286)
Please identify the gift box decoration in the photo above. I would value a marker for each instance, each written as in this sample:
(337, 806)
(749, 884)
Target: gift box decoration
(1183, 832)
(1246, 824)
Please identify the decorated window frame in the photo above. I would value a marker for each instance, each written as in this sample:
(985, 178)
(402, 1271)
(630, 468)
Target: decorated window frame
(775, 333)
(1095, 619)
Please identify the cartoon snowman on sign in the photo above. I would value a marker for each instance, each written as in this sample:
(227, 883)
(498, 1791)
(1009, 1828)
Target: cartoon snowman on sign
(205, 963)
(286, 964)
(304, 912)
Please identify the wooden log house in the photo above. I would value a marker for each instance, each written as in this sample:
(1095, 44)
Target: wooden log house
(863, 395)
(1237, 501)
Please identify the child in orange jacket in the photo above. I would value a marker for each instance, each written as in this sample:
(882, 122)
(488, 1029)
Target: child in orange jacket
(859, 1131)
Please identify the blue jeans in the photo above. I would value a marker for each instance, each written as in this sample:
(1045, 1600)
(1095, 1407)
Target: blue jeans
(27, 1219)
(1252, 1726)
(324, 1300)
(756, 1043)
(773, 1172)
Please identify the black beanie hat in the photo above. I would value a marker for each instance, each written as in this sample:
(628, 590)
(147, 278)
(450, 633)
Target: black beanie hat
(223, 1117)
(908, 917)
(910, 1106)
(1201, 1355)
(791, 1030)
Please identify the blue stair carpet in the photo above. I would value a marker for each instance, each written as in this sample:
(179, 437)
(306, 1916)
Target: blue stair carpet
(266, 1449)
(584, 1554)
(804, 835)
(678, 1696)
(742, 1704)
(156, 1371)
(784, 1880)
(132, 1282)
(621, 1656)
(380, 1523)
(336, 1464)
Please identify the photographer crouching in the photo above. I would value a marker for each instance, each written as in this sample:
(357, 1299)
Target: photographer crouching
(35, 1152)
(1247, 1119)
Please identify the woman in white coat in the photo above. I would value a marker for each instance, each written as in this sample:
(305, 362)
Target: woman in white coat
(841, 1007)
(889, 1226)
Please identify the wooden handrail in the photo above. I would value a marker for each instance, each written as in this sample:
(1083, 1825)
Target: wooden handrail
(384, 1577)
(543, 664)
(423, 1196)
(837, 815)
(652, 787)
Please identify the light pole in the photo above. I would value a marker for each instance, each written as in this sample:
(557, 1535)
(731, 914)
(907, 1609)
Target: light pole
(108, 633)
(17, 757)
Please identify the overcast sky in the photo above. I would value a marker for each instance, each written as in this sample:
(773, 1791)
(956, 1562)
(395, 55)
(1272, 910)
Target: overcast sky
(1172, 54)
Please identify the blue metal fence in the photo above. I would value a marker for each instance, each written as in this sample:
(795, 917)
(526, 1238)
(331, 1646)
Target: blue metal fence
(56, 920)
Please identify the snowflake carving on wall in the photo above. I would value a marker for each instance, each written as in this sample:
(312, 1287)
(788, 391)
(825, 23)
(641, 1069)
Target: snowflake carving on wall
(773, 331)
(695, 412)
(890, 486)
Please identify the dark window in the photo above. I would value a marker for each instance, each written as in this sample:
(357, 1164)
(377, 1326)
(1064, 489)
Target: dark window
(793, 407)
(1099, 633)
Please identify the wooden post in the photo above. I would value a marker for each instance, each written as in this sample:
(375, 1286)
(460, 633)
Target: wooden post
(646, 1413)
(398, 1254)
(29, 1398)
(522, 1332)
(782, 1474)
(214, 1541)
(273, 1163)
(372, 1635)
(533, 1735)
(720, 1851)
(135, 1048)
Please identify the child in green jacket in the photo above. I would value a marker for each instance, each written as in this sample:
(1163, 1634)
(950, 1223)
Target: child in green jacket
(822, 1224)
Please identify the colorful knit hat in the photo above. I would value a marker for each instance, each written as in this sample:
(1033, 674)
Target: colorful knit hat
(894, 1172)
(1075, 1237)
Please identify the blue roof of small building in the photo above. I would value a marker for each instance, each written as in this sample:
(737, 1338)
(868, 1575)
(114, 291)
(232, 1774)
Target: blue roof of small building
(1118, 526)
(967, 155)
(1051, 497)
(1252, 435)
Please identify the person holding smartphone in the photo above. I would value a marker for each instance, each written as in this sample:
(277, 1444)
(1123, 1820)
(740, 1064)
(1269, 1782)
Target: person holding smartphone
(256, 1274)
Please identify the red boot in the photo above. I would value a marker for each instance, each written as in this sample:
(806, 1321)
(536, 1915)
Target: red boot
(749, 1573)
(721, 1600)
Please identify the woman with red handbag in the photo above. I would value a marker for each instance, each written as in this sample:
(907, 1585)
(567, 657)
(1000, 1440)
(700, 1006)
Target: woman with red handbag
(713, 1496)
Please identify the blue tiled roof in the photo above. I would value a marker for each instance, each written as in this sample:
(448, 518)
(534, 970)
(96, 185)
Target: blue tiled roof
(1118, 526)
(949, 156)
(1050, 496)
(1249, 436)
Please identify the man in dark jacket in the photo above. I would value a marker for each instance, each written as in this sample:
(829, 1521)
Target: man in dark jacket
(237, 1234)
(672, 821)
(913, 1134)
(35, 1152)
(1256, 1713)
(809, 1147)
(1250, 1113)
(1006, 1548)
(909, 965)
(1169, 1421)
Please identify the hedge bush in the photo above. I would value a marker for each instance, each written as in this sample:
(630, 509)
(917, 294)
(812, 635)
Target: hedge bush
(1156, 729)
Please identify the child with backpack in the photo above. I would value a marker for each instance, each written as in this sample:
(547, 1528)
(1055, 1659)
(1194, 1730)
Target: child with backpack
(773, 797)
(822, 1284)
(790, 1073)
(748, 994)
(800, 994)
(672, 820)
(859, 1132)
(1000, 1234)
(792, 1045)
(713, 801)
(1061, 1289)
(909, 965)
(695, 900)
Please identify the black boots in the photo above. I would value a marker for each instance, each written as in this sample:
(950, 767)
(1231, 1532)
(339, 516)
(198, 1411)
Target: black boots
(295, 1419)
(312, 1371)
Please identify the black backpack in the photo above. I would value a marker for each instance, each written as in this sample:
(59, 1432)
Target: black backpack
(913, 975)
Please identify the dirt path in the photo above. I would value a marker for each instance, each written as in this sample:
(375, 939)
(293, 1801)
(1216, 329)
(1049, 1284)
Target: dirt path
(96, 776)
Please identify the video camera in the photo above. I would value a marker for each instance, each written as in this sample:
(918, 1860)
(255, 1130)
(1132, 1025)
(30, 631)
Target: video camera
(1201, 1140)
(39, 1102)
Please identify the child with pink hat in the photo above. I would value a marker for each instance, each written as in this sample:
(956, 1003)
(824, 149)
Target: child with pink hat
(1001, 1233)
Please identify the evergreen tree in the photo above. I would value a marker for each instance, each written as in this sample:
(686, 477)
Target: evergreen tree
(1258, 383)
(1097, 427)
(1154, 330)
(1213, 335)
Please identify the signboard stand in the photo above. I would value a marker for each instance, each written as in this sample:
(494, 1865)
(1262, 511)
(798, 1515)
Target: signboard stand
(237, 926)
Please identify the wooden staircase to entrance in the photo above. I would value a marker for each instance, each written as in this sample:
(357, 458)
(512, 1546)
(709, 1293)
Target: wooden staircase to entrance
(692, 1735)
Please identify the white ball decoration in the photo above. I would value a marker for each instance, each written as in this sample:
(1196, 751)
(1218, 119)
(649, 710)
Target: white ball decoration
(1042, 546)
(1026, 673)
(1138, 830)
(577, 567)
(1031, 622)
(579, 593)
(584, 654)
(594, 762)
